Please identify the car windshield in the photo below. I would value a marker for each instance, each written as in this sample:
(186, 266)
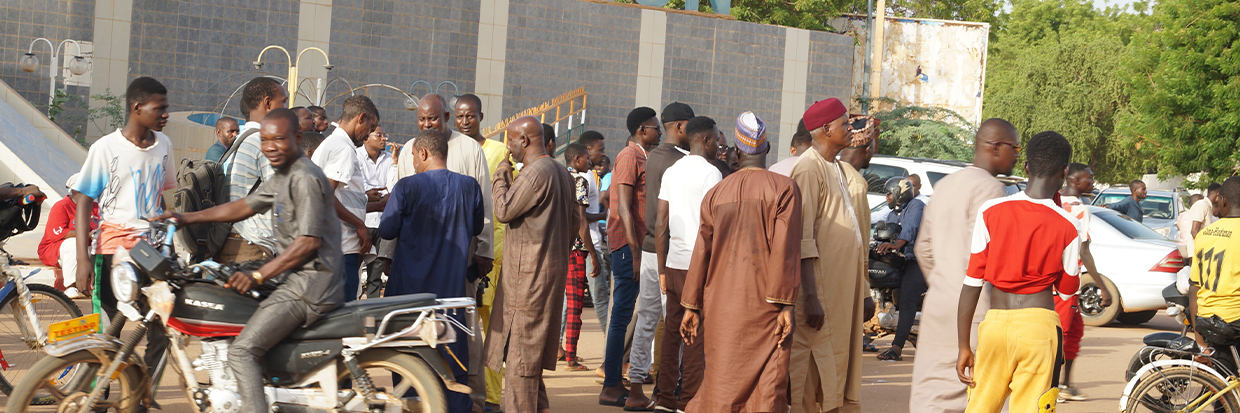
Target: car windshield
(876, 176)
(1127, 226)
(1157, 207)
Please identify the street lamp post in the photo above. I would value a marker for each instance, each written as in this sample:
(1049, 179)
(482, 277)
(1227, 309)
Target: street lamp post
(29, 63)
(292, 69)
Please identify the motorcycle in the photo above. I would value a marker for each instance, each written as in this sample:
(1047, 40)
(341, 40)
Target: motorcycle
(885, 272)
(326, 367)
(1166, 345)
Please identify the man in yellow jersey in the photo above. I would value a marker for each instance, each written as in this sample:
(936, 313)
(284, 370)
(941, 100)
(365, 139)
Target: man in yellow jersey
(1216, 271)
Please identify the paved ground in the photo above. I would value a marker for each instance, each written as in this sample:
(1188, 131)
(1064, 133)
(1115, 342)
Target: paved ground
(1100, 372)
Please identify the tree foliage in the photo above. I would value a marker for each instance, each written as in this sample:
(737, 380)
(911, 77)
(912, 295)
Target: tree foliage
(1184, 74)
(924, 132)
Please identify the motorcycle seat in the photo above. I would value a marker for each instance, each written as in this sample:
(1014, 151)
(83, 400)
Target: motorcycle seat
(350, 320)
(1160, 339)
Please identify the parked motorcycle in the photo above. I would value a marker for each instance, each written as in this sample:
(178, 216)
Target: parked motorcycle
(885, 273)
(1165, 344)
(375, 355)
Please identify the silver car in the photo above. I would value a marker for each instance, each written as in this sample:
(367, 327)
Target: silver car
(1160, 208)
(1137, 263)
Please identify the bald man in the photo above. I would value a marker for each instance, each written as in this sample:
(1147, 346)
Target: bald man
(942, 251)
(226, 130)
(538, 207)
(465, 157)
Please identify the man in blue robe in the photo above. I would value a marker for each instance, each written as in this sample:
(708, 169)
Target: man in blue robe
(434, 214)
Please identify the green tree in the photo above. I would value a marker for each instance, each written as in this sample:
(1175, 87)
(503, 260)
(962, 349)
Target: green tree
(924, 132)
(1184, 73)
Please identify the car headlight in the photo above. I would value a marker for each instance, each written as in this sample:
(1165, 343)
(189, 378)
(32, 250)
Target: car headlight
(1164, 231)
(125, 282)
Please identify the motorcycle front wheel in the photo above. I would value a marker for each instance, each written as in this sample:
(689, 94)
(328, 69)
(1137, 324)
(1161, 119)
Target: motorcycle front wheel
(67, 380)
(1179, 388)
(403, 376)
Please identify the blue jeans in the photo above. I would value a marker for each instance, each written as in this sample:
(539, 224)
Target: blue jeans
(624, 298)
(352, 264)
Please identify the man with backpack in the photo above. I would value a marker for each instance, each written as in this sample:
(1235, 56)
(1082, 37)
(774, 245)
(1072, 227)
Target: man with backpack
(246, 167)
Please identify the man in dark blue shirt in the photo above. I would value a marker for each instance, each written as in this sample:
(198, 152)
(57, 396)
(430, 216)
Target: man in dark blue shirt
(906, 211)
(226, 130)
(434, 214)
(1131, 206)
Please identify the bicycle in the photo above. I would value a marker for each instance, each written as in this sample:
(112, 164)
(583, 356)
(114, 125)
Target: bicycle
(1177, 382)
(26, 313)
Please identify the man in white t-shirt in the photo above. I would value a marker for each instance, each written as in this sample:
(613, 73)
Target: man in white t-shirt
(1079, 180)
(337, 156)
(126, 172)
(1201, 214)
(684, 185)
(377, 167)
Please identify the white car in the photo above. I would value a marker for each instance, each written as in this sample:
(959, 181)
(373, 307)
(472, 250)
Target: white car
(884, 167)
(1137, 264)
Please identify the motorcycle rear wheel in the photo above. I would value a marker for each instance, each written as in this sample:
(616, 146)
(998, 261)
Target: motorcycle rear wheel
(1173, 388)
(48, 377)
(415, 375)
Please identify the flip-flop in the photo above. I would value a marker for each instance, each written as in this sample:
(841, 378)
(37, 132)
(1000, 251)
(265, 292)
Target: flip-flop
(868, 348)
(647, 408)
(618, 403)
(890, 355)
(576, 368)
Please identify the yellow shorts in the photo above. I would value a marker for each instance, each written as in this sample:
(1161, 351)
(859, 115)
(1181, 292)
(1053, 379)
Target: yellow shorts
(1017, 357)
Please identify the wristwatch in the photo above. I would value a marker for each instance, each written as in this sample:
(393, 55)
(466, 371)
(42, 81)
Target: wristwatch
(258, 277)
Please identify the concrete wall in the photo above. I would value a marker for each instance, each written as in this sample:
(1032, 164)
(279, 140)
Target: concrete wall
(514, 53)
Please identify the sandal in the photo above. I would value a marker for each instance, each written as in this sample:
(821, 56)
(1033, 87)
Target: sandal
(646, 408)
(619, 402)
(575, 367)
(868, 348)
(890, 355)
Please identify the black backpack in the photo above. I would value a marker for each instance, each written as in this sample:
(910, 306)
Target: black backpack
(16, 218)
(203, 184)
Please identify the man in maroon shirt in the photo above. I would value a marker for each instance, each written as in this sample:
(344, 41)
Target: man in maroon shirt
(60, 225)
(625, 228)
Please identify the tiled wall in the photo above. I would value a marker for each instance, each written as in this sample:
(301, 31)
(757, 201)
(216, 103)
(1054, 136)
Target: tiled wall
(830, 67)
(560, 45)
(189, 46)
(724, 67)
(22, 21)
(399, 43)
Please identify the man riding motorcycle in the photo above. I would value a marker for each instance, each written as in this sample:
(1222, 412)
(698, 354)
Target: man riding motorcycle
(308, 262)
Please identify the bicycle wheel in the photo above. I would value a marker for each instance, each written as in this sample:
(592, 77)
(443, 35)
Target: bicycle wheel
(1179, 388)
(21, 352)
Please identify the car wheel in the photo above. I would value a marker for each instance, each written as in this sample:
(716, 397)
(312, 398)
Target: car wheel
(1137, 317)
(1090, 301)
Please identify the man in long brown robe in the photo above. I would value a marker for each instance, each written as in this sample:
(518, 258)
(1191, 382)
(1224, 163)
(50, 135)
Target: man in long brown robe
(742, 283)
(539, 210)
(826, 346)
(942, 250)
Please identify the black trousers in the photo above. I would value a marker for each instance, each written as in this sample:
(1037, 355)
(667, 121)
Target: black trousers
(912, 288)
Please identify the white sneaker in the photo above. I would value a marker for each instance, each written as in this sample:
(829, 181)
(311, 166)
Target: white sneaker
(1071, 394)
(73, 293)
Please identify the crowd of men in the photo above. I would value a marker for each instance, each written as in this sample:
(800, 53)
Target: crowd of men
(725, 285)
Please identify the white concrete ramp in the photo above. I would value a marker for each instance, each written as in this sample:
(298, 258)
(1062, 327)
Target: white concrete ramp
(34, 150)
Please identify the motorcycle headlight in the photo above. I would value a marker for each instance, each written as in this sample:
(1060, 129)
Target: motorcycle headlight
(125, 282)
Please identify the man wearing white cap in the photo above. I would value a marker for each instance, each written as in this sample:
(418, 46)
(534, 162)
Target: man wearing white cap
(53, 251)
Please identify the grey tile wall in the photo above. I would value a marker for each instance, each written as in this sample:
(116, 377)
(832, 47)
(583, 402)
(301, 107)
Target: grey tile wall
(830, 67)
(203, 50)
(555, 46)
(724, 67)
(22, 21)
(399, 43)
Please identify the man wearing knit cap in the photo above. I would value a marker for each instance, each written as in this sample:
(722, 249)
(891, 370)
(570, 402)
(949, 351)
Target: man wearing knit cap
(825, 372)
(742, 282)
(626, 227)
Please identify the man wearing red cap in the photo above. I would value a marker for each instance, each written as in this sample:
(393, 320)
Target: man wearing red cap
(825, 371)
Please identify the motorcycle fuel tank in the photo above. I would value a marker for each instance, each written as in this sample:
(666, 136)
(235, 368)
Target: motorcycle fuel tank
(208, 310)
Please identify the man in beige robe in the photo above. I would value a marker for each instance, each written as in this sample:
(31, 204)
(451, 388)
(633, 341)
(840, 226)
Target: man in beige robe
(942, 250)
(825, 371)
(538, 207)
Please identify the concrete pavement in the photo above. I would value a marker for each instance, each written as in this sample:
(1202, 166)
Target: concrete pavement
(1099, 372)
